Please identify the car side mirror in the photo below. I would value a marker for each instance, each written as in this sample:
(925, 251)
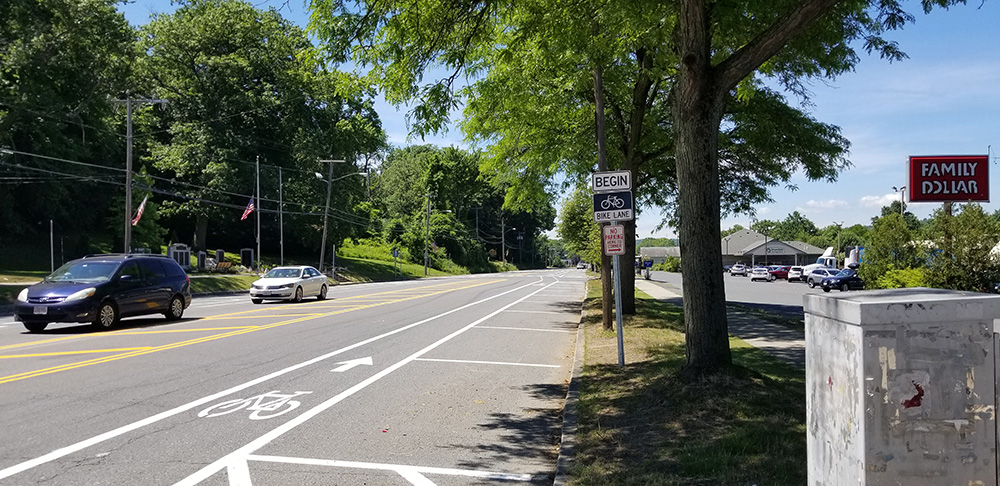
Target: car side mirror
(125, 278)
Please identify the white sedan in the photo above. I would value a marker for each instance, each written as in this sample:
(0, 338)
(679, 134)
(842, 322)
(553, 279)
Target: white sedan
(289, 283)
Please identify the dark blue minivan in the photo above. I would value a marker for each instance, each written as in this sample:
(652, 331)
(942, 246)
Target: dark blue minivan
(101, 289)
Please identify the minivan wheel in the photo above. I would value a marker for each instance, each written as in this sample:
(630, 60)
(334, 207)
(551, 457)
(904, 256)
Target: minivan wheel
(107, 316)
(826, 289)
(176, 309)
(35, 326)
(322, 293)
(298, 295)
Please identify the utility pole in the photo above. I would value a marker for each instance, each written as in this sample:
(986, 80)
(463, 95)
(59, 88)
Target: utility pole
(281, 222)
(128, 163)
(257, 210)
(427, 237)
(503, 242)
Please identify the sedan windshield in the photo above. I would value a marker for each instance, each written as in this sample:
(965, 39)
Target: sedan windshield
(284, 273)
(90, 272)
(846, 273)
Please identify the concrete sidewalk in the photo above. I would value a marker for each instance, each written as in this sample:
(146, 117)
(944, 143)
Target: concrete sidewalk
(782, 342)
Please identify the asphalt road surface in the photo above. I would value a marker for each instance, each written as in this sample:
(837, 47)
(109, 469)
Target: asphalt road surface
(442, 381)
(781, 296)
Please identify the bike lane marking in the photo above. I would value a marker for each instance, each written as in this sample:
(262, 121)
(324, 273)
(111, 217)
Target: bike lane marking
(59, 453)
(239, 455)
(234, 331)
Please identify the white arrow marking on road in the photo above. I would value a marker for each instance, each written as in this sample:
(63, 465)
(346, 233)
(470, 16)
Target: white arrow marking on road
(346, 365)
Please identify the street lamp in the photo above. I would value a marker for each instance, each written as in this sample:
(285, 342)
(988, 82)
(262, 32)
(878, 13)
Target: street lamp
(902, 197)
(839, 226)
(326, 213)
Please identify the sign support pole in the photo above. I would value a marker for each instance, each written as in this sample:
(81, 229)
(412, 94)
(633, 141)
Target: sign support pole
(618, 307)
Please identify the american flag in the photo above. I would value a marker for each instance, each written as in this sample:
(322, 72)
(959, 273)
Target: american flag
(138, 214)
(248, 210)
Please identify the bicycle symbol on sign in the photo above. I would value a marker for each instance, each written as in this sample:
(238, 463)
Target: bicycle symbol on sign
(268, 405)
(612, 201)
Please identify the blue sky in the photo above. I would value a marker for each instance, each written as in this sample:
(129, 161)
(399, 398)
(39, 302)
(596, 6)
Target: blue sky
(943, 100)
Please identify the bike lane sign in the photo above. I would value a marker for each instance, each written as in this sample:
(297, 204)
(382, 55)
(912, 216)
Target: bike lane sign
(614, 239)
(613, 206)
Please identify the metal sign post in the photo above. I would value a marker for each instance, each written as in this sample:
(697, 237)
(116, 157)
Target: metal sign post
(613, 203)
(618, 305)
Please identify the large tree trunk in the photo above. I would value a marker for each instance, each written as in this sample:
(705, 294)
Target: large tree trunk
(200, 233)
(697, 116)
(607, 298)
(628, 269)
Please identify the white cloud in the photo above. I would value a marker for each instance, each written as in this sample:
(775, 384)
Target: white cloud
(827, 204)
(879, 201)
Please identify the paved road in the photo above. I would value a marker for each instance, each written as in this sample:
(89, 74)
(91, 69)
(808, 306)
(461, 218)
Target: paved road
(443, 381)
(780, 297)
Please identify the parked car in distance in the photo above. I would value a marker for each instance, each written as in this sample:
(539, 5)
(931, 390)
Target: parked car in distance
(846, 279)
(101, 289)
(794, 273)
(818, 274)
(761, 273)
(780, 271)
(581, 265)
(738, 269)
(289, 283)
(726, 268)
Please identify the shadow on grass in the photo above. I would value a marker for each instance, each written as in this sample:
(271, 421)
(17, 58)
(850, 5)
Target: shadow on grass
(644, 424)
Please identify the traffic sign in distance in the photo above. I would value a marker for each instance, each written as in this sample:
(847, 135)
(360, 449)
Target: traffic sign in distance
(613, 206)
(618, 180)
(614, 239)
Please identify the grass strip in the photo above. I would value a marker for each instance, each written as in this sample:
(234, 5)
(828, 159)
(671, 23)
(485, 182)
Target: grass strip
(645, 425)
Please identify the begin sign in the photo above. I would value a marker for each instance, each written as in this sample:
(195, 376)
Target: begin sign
(949, 178)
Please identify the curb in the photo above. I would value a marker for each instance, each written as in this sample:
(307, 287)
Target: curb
(567, 444)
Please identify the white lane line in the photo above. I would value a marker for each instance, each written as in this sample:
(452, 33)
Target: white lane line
(540, 312)
(58, 453)
(525, 329)
(207, 471)
(239, 473)
(397, 467)
(414, 477)
(487, 362)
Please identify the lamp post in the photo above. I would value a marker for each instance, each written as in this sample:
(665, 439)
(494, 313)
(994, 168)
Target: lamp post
(839, 226)
(326, 212)
(902, 197)
(427, 235)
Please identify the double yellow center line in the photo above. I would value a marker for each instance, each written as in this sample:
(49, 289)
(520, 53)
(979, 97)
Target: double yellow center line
(389, 297)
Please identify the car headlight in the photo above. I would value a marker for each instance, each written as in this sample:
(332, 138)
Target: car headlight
(23, 296)
(286, 286)
(83, 294)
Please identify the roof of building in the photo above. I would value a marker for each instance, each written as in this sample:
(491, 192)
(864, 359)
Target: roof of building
(740, 240)
(660, 251)
(806, 247)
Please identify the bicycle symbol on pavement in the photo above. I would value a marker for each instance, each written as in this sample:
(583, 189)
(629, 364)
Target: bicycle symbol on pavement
(268, 405)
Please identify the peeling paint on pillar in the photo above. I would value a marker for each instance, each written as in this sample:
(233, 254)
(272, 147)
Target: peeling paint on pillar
(900, 388)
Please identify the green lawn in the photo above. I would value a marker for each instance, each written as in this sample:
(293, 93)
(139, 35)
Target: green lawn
(646, 425)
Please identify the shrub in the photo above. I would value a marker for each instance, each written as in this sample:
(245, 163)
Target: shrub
(671, 264)
(900, 278)
(371, 249)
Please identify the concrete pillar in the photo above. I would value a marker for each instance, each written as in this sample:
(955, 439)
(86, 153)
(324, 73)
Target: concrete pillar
(901, 388)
